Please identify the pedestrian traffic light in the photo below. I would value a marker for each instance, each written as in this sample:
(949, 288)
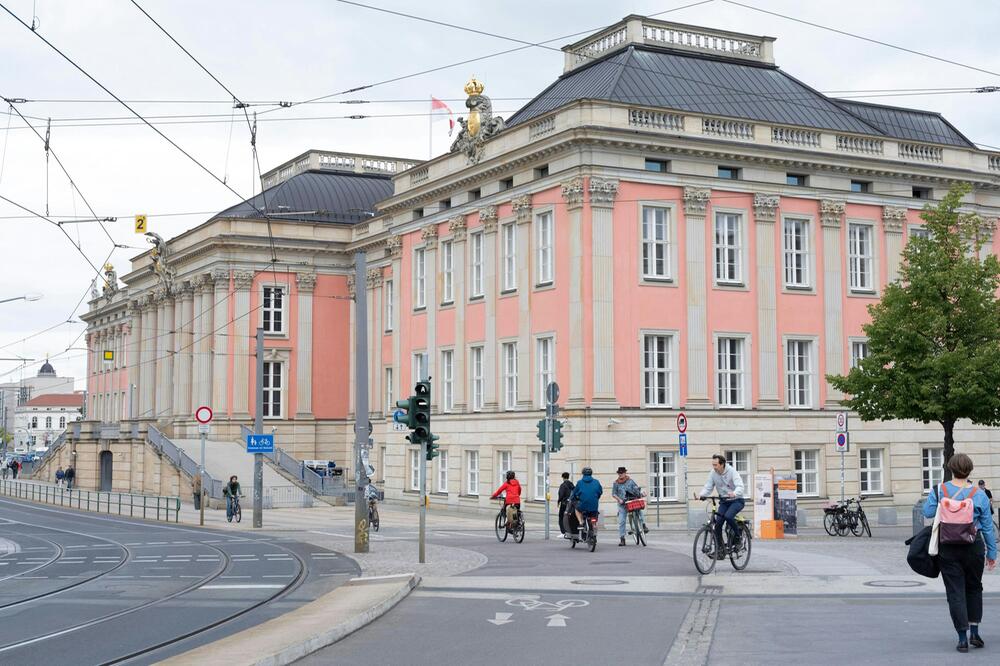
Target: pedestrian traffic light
(432, 446)
(556, 436)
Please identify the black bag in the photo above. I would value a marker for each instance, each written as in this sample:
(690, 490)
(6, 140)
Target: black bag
(918, 558)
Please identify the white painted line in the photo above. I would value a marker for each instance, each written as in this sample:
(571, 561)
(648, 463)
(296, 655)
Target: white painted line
(155, 576)
(76, 546)
(336, 534)
(234, 576)
(255, 586)
(69, 576)
(180, 542)
(120, 576)
(33, 577)
(156, 543)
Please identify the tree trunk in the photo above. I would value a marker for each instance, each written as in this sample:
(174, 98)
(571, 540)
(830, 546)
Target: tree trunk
(949, 446)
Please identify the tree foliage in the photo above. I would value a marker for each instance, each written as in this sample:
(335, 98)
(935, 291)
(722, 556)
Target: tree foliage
(934, 338)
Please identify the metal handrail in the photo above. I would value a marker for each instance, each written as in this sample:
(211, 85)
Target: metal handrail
(162, 444)
(155, 507)
(322, 485)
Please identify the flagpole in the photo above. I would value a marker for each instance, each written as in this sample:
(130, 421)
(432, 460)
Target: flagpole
(430, 131)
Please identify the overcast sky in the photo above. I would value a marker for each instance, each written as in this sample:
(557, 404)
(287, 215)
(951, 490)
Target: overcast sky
(295, 50)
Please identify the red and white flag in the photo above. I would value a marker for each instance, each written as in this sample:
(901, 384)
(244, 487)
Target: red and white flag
(438, 105)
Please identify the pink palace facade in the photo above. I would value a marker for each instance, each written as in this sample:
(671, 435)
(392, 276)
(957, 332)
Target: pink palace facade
(675, 224)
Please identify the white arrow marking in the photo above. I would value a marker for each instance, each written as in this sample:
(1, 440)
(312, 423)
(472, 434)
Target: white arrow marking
(501, 618)
(557, 620)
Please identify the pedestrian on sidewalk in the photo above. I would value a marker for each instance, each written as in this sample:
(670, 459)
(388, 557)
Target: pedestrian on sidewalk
(624, 489)
(989, 495)
(69, 477)
(196, 491)
(59, 475)
(15, 467)
(565, 490)
(962, 563)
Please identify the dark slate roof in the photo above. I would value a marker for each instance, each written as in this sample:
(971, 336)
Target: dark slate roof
(907, 124)
(319, 196)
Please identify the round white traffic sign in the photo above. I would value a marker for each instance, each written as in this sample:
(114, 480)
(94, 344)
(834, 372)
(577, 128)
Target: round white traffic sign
(682, 422)
(203, 414)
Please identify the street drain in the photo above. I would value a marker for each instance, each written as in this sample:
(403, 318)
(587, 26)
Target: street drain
(598, 581)
(894, 583)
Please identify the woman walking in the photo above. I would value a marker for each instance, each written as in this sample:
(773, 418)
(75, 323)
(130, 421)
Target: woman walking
(962, 563)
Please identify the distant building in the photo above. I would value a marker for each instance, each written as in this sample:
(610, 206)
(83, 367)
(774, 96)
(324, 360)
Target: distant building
(15, 394)
(39, 421)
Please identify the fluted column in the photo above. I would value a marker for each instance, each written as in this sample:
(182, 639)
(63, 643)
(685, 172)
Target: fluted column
(203, 326)
(488, 217)
(695, 203)
(429, 235)
(147, 357)
(522, 216)
(304, 349)
(220, 348)
(458, 228)
(765, 207)
(375, 373)
(831, 217)
(602, 199)
(394, 251)
(182, 346)
(132, 358)
(572, 192)
(165, 357)
(243, 327)
(893, 218)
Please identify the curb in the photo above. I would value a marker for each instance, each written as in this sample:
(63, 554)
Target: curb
(301, 632)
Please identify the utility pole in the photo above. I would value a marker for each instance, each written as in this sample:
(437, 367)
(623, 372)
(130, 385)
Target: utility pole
(258, 427)
(201, 481)
(361, 424)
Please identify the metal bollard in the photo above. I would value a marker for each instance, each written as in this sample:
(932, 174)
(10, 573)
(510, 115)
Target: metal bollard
(918, 516)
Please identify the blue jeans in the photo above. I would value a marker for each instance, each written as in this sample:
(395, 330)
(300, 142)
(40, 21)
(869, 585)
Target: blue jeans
(728, 509)
(229, 506)
(623, 518)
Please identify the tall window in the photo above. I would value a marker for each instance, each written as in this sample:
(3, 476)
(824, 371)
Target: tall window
(545, 360)
(476, 241)
(448, 383)
(477, 378)
(796, 253)
(859, 351)
(62, 421)
(48, 422)
(728, 249)
(272, 390)
(387, 299)
(543, 224)
(419, 279)
(740, 460)
(537, 475)
(273, 310)
(655, 242)
(420, 366)
(390, 403)
(442, 471)
(871, 471)
(729, 372)
(663, 476)
(414, 469)
(34, 419)
(504, 464)
(447, 272)
(509, 375)
(859, 257)
(807, 472)
(798, 373)
(657, 370)
(932, 467)
(472, 472)
(509, 257)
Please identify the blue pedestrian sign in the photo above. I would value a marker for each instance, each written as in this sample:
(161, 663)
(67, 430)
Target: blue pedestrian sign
(260, 443)
(682, 440)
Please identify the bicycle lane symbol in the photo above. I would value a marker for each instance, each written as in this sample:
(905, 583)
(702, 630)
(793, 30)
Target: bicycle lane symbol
(546, 606)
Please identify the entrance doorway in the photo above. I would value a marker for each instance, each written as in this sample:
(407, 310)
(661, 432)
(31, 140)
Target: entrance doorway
(107, 460)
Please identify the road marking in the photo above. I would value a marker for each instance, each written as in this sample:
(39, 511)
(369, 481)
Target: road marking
(155, 576)
(254, 586)
(188, 576)
(33, 577)
(276, 576)
(69, 576)
(530, 604)
(234, 576)
(557, 620)
(501, 618)
(156, 543)
(501, 596)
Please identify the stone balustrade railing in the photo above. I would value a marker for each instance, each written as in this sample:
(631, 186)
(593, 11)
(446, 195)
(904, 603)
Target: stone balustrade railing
(704, 41)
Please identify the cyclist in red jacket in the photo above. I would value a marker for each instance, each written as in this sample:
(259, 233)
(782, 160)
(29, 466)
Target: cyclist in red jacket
(512, 499)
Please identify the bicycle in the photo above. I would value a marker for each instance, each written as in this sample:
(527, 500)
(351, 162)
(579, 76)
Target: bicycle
(707, 551)
(502, 528)
(859, 521)
(237, 511)
(634, 519)
(589, 535)
(840, 519)
(373, 514)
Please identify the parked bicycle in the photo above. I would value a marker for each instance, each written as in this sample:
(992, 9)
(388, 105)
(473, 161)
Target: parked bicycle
(635, 526)
(373, 514)
(504, 528)
(840, 518)
(707, 552)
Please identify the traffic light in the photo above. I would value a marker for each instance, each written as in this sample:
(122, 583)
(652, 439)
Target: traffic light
(409, 406)
(541, 430)
(556, 436)
(422, 419)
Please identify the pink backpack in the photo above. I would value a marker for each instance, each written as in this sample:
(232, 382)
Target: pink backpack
(958, 518)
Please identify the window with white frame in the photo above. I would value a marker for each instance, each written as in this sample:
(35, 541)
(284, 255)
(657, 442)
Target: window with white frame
(545, 363)
(34, 419)
(476, 265)
(387, 299)
(729, 369)
(509, 238)
(859, 257)
(419, 366)
(657, 367)
(728, 248)
(48, 422)
(655, 243)
(537, 475)
(414, 469)
(478, 385)
(663, 476)
(273, 310)
(859, 351)
(796, 253)
(419, 279)
(381, 463)
(273, 390)
(799, 373)
(442, 471)
(472, 472)
(390, 403)
(543, 225)
(918, 232)
(740, 460)
(447, 272)
(505, 463)
(62, 421)
(932, 467)
(870, 471)
(448, 380)
(509, 375)
(807, 471)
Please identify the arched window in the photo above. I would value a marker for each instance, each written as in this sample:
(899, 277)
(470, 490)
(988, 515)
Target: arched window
(48, 421)
(34, 421)
(62, 421)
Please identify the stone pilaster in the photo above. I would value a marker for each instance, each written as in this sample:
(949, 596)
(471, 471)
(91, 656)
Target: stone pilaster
(204, 311)
(602, 199)
(488, 217)
(765, 208)
(695, 204)
(185, 347)
(523, 213)
(893, 218)
(375, 378)
(244, 328)
(573, 195)
(132, 358)
(394, 250)
(353, 369)
(832, 219)
(304, 347)
(164, 356)
(220, 344)
(147, 358)
(459, 232)
(429, 235)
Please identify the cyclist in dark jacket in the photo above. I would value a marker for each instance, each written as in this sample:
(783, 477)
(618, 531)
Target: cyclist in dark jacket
(231, 491)
(565, 490)
(587, 494)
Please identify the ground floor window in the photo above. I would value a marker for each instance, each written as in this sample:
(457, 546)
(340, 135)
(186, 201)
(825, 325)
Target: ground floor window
(662, 476)
(414, 469)
(932, 464)
(870, 471)
(807, 471)
(472, 472)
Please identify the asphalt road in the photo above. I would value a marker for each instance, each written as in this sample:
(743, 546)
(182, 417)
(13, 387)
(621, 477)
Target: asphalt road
(88, 589)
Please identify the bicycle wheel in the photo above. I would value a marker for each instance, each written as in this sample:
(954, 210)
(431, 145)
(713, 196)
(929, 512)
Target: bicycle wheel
(830, 524)
(843, 524)
(501, 526)
(592, 540)
(238, 513)
(373, 518)
(857, 528)
(739, 557)
(705, 550)
(518, 530)
(229, 516)
(640, 536)
(864, 522)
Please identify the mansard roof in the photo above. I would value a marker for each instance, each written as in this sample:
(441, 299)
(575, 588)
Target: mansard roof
(318, 196)
(907, 124)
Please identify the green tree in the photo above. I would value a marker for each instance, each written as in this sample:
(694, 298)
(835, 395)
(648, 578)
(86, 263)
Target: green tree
(934, 338)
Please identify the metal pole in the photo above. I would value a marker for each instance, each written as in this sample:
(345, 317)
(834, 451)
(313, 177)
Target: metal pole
(258, 428)
(548, 448)
(201, 482)
(423, 504)
(361, 526)
(841, 476)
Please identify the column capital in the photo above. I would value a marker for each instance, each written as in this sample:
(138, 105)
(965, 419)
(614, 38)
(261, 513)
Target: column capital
(765, 207)
(374, 277)
(488, 217)
(187, 289)
(393, 246)
(696, 200)
(203, 283)
(603, 191)
(429, 235)
(831, 213)
(243, 279)
(351, 291)
(306, 281)
(572, 192)
(458, 227)
(522, 208)
(220, 276)
(893, 218)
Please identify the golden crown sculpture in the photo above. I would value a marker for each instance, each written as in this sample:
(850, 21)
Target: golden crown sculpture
(474, 87)
(108, 268)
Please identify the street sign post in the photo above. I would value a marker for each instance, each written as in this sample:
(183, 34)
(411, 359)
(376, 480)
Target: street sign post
(843, 443)
(682, 426)
(841, 421)
(260, 443)
(682, 441)
(551, 409)
(399, 420)
(203, 415)
(682, 422)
